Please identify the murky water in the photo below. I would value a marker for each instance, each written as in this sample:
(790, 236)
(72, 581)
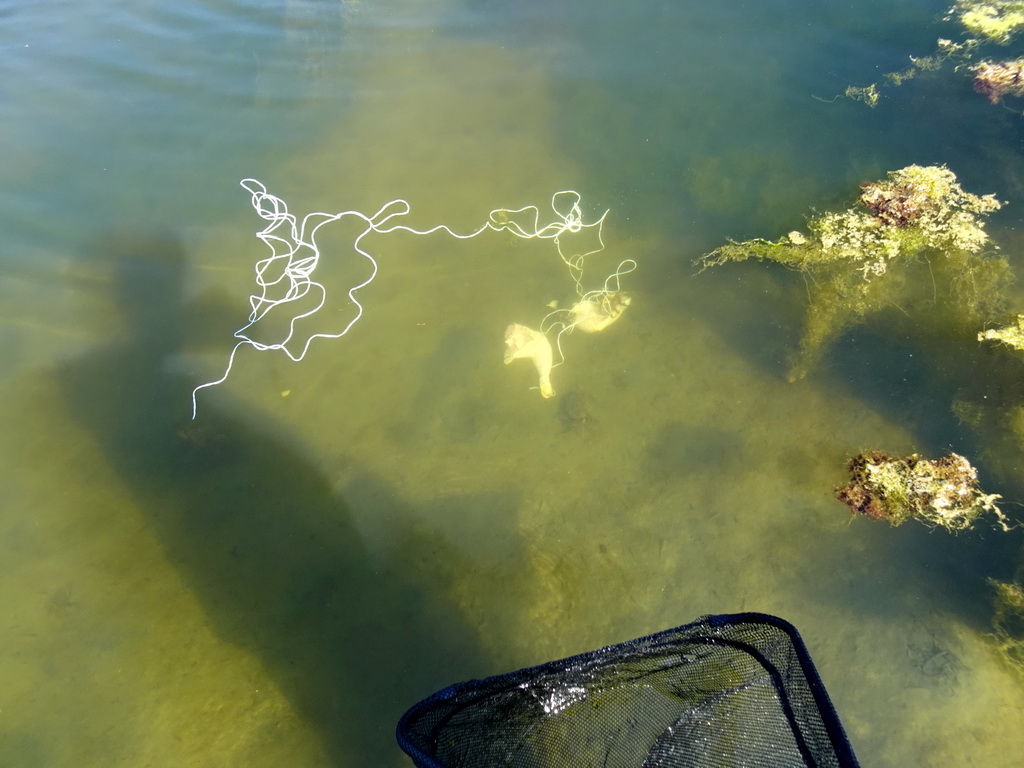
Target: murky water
(329, 541)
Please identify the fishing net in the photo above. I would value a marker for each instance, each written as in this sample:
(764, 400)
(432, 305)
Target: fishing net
(733, 690)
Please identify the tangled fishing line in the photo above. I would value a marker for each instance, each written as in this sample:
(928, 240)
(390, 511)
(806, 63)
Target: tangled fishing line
(286, 287)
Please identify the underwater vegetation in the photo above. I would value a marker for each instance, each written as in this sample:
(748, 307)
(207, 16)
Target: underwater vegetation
(985, 23)
(1012, 335)
(946, 49)
(996, 79)
(1008, 622)
(994, 20)
(866, 258)
(937, 492)
(994, 405)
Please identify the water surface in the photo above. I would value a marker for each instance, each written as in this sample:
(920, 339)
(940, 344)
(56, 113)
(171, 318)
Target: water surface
(329, 541)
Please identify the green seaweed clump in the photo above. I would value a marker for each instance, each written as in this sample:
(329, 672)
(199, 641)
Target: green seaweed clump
(941, 492)
(859, 261)
(1008, 622)
(961, 53)
(868, 94)
(994, 20)
(1011, 335)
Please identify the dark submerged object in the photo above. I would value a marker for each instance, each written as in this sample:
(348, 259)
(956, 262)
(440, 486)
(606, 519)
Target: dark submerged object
(575, 411)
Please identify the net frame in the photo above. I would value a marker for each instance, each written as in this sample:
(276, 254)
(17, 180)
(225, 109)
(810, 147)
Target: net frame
(498, 720)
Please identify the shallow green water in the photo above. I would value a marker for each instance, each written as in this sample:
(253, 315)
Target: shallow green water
(329, 541)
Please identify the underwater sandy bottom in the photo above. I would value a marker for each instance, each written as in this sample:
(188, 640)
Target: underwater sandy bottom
(412, 513)
(333, 540)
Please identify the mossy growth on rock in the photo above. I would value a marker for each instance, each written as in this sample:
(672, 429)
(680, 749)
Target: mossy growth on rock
(937, 492)
(861, 260)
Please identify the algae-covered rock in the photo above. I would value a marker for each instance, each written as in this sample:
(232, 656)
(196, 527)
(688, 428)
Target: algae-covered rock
(938, 492)
(857, 260)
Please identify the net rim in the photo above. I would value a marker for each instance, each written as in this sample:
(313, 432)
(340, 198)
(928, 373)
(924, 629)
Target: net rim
(709, 624)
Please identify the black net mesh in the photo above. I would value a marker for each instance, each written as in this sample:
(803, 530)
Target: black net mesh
(737, 690)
